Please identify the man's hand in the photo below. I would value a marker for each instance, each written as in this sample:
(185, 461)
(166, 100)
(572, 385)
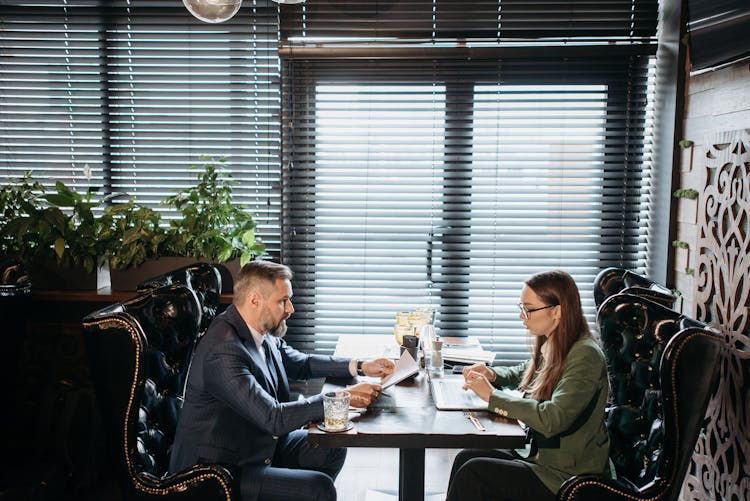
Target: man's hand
(363, 394)
(380, 367)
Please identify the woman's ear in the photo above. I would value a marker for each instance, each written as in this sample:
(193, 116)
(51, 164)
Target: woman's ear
(557, 312)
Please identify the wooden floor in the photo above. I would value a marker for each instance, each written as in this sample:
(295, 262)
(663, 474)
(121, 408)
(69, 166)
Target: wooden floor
(377, 470)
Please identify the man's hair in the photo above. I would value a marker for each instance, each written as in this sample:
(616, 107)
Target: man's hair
(257, 273)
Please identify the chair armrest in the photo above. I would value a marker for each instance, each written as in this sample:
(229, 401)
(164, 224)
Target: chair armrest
(201, 482)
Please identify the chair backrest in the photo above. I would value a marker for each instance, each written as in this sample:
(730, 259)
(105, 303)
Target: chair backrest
(612, 281)
(688, 374)
(139, 352)
(634, 334)
(661, 433)
(202, 278)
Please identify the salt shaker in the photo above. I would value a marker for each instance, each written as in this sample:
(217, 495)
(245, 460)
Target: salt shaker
(436, 358)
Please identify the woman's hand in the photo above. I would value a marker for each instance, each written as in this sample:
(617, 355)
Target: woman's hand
(481, 369)
(380, 367)
(479, 384)
(363, 394)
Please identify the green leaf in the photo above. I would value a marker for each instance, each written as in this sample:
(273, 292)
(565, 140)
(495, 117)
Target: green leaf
(225, 254)
(60, 200)
(59, 247)
(679, 244)
(685, 193)
(248, 237)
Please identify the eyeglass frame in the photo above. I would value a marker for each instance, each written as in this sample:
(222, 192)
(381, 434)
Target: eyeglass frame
(525, 312)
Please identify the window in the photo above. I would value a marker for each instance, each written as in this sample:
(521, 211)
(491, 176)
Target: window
(445, 175)
(125, 96)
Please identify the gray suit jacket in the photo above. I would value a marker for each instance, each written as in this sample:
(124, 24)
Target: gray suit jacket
(230, 414)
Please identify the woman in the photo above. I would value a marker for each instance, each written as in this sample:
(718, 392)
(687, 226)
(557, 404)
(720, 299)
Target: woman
(565, 388)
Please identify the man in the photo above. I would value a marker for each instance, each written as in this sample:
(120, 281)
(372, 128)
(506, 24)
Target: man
(237, 408)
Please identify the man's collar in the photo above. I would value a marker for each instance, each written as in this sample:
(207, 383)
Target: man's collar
(257, 337)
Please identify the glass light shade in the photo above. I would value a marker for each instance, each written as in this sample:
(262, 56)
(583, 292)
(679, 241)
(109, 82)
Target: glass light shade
(213, 11)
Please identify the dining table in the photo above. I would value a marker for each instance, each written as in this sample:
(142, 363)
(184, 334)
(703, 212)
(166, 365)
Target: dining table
(404, 417)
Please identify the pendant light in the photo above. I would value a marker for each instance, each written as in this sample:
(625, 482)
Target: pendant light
(213, 11)
(218, 11)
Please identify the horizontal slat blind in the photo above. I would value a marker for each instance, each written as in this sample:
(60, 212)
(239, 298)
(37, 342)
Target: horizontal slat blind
(127, 95)
(393, 21)
(52, 108)
(448, 183)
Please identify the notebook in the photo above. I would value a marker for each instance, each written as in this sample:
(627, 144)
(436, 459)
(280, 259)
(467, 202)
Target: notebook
(405, 367)
(449, 395)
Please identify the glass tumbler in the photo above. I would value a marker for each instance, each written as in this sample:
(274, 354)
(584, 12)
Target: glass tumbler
(336, 410)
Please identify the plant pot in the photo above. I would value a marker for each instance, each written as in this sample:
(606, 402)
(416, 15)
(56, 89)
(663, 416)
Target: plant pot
(128, 280)
(47, 274)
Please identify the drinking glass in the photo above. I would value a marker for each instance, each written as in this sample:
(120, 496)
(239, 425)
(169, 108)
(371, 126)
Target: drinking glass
(336, 410)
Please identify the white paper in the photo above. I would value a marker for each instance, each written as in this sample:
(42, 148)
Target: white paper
(405, 367)
(470, 355)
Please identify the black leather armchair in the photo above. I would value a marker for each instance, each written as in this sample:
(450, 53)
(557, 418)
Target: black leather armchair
(612, 281)
(139, 353)
(662, 369)
(202, 278)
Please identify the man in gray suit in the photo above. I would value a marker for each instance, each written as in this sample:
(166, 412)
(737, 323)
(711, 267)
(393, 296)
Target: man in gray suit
(237, 408)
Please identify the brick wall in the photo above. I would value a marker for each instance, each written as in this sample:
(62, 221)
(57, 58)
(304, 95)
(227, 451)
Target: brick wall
(716, 101)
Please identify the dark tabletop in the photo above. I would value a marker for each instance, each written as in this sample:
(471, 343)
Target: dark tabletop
(405, 417)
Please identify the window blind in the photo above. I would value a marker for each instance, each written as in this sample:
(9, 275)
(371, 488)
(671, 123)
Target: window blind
(444, 180)
(128, 95)
(395, 22)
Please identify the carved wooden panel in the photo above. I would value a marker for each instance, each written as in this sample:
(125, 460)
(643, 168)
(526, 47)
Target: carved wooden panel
(721, 463)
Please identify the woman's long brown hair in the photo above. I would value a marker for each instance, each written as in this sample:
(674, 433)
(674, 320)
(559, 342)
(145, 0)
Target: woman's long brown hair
(554, 287)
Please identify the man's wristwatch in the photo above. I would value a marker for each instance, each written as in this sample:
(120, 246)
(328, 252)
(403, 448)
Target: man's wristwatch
(360, 372)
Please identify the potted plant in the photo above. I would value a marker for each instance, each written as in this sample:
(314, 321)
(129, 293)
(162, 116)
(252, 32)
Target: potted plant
(56, 233)
(16, 201)
(134, 234)
(210, 227)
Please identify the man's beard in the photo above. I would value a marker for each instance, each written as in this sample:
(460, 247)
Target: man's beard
(279, 330)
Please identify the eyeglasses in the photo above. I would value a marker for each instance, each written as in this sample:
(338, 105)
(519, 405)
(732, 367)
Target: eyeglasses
(525, 312)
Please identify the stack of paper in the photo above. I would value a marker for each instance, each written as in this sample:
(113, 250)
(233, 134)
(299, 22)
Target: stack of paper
(469, 355)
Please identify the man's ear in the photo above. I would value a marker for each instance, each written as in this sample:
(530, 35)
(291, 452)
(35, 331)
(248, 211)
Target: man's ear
(254, 299)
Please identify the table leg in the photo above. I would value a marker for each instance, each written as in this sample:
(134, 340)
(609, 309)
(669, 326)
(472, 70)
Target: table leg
(411, 475)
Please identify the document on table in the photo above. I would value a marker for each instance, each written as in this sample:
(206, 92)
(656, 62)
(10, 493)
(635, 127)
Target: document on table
(405, 366)
(468, 355)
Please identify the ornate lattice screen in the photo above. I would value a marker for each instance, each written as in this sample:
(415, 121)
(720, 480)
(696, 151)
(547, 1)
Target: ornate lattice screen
(721, 462)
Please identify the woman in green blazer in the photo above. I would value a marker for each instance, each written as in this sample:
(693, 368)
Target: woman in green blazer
(565, 389)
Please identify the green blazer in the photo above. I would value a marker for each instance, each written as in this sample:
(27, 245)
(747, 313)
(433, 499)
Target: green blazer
(569, 435)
